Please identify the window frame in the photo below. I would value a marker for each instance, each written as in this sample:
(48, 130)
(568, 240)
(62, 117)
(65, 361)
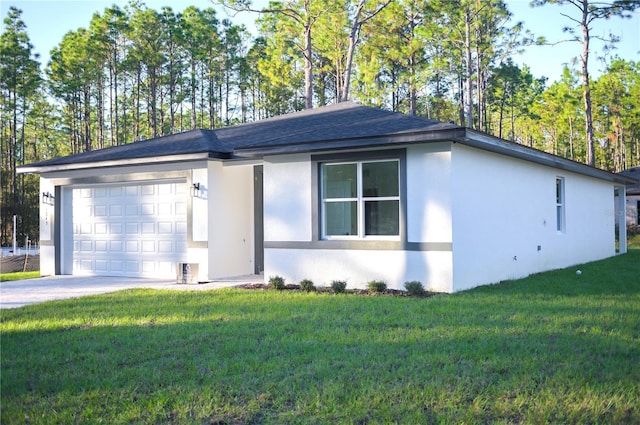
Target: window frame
(351, 242)
(360, 199)
(560, 205)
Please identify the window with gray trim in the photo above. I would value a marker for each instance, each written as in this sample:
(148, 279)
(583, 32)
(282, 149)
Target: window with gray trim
(360, 199)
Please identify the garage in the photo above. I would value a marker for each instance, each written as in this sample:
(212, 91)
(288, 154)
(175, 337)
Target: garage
(136, 230)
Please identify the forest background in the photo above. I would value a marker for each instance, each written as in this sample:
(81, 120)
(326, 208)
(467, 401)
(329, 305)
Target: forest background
(135, 72)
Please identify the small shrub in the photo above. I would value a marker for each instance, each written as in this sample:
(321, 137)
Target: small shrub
(276, 282)
(338, 286)
(414, 287)
(377, 286)
(307, 285)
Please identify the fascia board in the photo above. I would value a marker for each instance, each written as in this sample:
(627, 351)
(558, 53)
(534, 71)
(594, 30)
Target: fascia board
(357, 143)
(35, 169)
(494, 144)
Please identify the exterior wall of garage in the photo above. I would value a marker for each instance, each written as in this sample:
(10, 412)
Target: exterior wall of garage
(57, 223)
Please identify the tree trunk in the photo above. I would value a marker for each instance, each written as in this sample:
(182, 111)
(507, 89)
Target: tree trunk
(194, 123)
(468, 79)
(585, 81)
(87, 120)
(308, 67)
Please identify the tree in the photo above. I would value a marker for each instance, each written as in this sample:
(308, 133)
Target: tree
(589, 11)
(616, 117)
(19, 82)
(361, 15)
(302, 16)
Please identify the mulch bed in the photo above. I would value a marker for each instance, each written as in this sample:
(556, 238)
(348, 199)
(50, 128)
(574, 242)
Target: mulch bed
(15, 263)
(327, 290)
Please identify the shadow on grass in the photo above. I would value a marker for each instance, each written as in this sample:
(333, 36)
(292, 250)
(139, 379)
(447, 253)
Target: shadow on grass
(555, 347)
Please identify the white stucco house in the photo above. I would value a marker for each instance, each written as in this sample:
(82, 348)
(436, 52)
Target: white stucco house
(343, 192)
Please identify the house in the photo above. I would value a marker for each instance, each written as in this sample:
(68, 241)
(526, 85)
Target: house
(632, 207)
(342, 192)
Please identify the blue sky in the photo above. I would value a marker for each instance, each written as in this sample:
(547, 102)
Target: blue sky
(48, 20)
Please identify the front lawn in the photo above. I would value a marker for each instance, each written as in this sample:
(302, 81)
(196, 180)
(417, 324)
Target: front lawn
(556, 347)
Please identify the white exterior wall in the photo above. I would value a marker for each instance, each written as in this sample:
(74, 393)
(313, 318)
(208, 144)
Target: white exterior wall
(429, 193)
(288, 217)
(505, 208)
(357, 267)
(287, 198)
(220, 220)
(47, 217)
(230, 220)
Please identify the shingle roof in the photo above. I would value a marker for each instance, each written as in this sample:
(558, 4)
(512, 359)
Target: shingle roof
(340, 121)
(194, 141)
(634, 173)
(340, 126)
(325, 124)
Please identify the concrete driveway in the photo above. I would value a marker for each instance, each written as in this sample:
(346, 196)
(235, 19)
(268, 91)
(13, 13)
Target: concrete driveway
(18, 293)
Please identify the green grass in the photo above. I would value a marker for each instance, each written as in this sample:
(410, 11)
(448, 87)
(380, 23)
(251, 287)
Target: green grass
(5, 277)
(553, 348)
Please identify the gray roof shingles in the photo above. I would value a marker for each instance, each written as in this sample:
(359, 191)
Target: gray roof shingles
(325, 124)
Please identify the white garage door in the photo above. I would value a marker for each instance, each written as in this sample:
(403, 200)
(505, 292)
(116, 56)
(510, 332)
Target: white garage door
(132, 230)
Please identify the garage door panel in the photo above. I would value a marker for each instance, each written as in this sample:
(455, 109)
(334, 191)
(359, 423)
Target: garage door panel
(148, 228)
(137, 230)
(165, 228)
(115, 228)
(115, 211)
(165, 247)
(181, 228)
(131, 210)
(132, 228)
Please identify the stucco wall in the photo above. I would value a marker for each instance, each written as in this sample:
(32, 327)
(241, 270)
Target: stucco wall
(429, 193)
(357, 267)
(287, 198)
(504, 218)
(231, 225)
(220, 220)
(288, 220)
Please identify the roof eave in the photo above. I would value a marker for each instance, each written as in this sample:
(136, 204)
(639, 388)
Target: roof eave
(493, 144)
(353, 143)
(41, 169)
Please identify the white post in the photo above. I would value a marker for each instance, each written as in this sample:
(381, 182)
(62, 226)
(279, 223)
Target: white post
(15, 244)
(622, 219)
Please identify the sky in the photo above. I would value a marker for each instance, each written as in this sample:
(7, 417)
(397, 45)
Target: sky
(48, 20)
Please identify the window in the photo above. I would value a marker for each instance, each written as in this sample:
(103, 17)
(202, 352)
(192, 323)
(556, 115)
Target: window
(560, 220)
(360, 199)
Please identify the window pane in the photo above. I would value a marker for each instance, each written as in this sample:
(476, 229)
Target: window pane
(341, 218)
(380, 179)
(339, 181)
(559, 218)
(558, 191)
(382, 218)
